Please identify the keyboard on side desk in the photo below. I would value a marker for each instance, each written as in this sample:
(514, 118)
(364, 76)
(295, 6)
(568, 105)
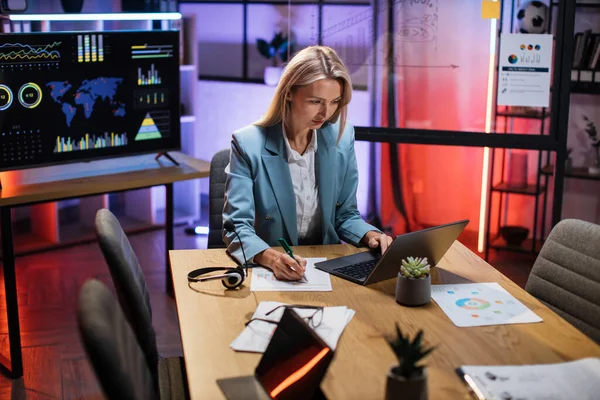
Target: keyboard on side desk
(359, 271)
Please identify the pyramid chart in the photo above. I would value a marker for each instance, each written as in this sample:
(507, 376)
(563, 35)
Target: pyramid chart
(148, 130)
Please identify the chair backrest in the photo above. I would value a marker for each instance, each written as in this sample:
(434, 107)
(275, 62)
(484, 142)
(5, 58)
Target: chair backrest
(216, 198)
(130, 283)
(566, 274)
(111, 346)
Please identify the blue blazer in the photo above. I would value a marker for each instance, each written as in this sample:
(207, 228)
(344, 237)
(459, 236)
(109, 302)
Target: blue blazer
(259, 196)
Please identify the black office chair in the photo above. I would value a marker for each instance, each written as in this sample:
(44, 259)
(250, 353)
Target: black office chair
(216, 198)
(111, 346)
(566, 274)
(132, 291)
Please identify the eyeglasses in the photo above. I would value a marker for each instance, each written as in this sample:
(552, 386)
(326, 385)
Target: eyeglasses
(313, 320)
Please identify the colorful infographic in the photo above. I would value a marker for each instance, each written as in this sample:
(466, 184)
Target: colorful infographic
(479, 304)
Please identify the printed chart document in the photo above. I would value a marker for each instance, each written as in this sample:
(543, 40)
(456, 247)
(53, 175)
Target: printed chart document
(524, 70)
(256, 336)
(263, 280)
(479, 304)
(565, 381)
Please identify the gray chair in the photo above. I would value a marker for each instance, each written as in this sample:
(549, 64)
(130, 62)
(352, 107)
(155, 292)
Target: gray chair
(127, 275)
(216, 198)
(111, 346)
(566, 275)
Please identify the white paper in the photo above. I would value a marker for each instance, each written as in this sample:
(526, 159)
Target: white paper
(479, 304)
(565, 381)
(263, 280)
(524, 70)
(256, 336)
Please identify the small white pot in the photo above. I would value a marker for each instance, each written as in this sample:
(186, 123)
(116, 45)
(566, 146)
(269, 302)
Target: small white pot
(272, 75)
(594, 170)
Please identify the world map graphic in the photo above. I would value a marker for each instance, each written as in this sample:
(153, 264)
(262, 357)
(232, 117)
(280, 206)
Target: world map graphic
(86, 96)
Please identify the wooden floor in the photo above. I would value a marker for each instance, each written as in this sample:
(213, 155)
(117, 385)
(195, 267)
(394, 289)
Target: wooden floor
(48, 285)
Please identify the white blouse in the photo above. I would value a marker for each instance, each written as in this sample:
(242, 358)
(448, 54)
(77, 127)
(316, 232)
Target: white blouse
(306, 190)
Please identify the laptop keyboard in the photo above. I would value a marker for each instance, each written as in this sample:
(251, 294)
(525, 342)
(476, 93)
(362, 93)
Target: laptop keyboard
(359, 271)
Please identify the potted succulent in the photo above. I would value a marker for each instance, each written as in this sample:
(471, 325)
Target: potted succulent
(592, 132)
(277, 51)
(407, 380)
(413, 287)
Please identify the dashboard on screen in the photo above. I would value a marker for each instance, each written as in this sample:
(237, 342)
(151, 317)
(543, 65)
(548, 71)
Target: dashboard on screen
(74, 96)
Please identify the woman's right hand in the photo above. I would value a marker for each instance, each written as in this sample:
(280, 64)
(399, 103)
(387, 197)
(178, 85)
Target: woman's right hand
(284, 267)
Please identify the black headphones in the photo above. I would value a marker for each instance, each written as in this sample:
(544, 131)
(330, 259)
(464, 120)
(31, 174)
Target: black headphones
(231, 279)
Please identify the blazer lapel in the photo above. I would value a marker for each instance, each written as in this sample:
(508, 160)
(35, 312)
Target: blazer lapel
(280, 179)
(326, 172)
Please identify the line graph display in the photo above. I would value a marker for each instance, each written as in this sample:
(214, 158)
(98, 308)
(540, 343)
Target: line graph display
(150, 78)
(66, 144)
(22, 56)
(151, 51)
(19, 52)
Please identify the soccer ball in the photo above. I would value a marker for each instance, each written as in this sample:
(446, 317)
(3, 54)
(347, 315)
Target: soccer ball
(533, 17)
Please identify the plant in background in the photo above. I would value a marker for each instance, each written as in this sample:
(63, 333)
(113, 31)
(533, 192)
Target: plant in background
(408, 354)
(592, 132)
(415, 267)
(277, 49)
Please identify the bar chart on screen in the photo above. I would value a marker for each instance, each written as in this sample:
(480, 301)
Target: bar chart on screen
(90, 48)
(149, 77)
(87, 142)
(151, 51)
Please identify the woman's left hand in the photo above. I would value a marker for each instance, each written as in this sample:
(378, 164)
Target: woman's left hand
(375, 239)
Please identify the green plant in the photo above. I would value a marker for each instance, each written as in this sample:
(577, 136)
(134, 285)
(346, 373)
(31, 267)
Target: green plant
(408, 354)
(592, 131)
(415, 267)
(277, 48)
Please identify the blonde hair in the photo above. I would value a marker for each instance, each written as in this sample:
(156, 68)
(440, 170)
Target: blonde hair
(307, 66)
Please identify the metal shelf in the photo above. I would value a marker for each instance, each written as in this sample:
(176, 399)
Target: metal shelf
(96, 17)
(537, 115)
(579, 87)
(582, 5)
(529, 190)
(575, 173)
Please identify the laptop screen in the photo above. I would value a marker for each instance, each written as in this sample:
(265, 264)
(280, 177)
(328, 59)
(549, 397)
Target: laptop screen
(295, 361)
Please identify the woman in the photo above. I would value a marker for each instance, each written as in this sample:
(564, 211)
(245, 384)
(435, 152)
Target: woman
(293, 173)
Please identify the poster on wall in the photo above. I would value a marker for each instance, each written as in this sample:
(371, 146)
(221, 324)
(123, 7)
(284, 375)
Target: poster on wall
(525, 67)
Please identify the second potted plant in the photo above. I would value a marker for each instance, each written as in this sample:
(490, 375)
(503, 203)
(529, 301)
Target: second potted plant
(277, 51)
(407, 380)
(413, 287)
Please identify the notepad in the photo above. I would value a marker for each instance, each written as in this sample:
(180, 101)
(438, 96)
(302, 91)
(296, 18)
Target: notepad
(563, 381)
(480, 304)
(256, 336)
(263, 280)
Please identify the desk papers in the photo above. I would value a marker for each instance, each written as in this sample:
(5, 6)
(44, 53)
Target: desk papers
(263, 280)
(479, 304)
(563, 381)
(256, 336)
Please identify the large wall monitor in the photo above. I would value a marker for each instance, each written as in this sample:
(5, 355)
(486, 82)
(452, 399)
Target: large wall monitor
(73, 96)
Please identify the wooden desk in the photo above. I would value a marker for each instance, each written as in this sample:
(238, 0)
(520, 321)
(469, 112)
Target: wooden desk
(78, 180)
(210, 318)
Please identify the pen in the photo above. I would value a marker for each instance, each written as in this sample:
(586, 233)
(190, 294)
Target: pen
(289, 252)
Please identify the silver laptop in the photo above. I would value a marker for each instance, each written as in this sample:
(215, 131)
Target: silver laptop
(370, 267)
